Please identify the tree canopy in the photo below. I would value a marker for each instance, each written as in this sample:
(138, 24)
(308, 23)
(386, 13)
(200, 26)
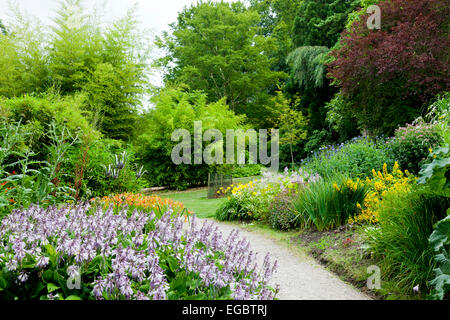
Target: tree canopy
(215, 47)
(320, 22)
(389, 74)
(80, 54)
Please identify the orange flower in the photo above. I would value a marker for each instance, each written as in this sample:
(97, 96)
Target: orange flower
(141, 201)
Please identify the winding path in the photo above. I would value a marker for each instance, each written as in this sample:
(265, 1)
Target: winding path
(300, 278)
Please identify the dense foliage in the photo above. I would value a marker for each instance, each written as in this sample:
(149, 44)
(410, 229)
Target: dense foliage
(439, 241)
(357, 157)
(411, 146)
(389, 74)
(216, 49)
(326, 205)
(319, 23)
(108, 65)
(177, 109)
(400, 241)
(251, 201)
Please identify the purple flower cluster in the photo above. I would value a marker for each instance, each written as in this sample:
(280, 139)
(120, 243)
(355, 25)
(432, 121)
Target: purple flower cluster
(237, 259)
(130, 247)
(332, 150)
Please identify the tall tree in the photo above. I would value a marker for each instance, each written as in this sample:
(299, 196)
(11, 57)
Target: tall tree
(109, 64)
(292, 124)
(216, 47)
(315, 29)
(23, 59)
(320, 22)
(277, 21)
(76, 46)
(308, 78)
(389, 74)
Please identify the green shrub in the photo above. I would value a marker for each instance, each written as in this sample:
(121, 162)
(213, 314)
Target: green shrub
(356, 158)
(282, 215)
(329, 203)
(246, 207)
(252, 200)
(99, 155)
(411, 145)
(400, 240)
(317, 140)
(36, 181)
(249, 170)
(37, 113)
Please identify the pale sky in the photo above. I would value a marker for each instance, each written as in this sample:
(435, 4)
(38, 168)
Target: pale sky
(154, 15)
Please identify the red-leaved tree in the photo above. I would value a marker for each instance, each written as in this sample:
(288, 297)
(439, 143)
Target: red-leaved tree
(389, 74)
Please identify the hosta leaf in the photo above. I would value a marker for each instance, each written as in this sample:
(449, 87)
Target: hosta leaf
(440, 235)
(73, 298)
(173, 263)
(48, 276)
(444, 263)
(441, 286)
(439, 239)
(37, 290)
(144, 288)
(3, 283)
(52, 287)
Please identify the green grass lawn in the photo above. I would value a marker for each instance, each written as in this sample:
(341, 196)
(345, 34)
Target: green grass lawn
(197, 200)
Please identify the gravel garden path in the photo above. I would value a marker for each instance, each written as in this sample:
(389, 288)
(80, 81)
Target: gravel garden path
(300, 278)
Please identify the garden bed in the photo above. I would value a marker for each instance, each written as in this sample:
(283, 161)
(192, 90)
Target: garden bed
(342, 251)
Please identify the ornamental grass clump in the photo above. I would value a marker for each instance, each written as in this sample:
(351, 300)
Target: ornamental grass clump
(399, 241)
(84, 252)
(327, 204)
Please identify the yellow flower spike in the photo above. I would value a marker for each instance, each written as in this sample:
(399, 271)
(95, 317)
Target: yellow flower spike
(431, 150)
(385, 169)
(380, 175)
(396, 166)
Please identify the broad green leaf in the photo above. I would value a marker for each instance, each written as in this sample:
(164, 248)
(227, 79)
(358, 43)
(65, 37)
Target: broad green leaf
(51, 287)
(439, 240)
